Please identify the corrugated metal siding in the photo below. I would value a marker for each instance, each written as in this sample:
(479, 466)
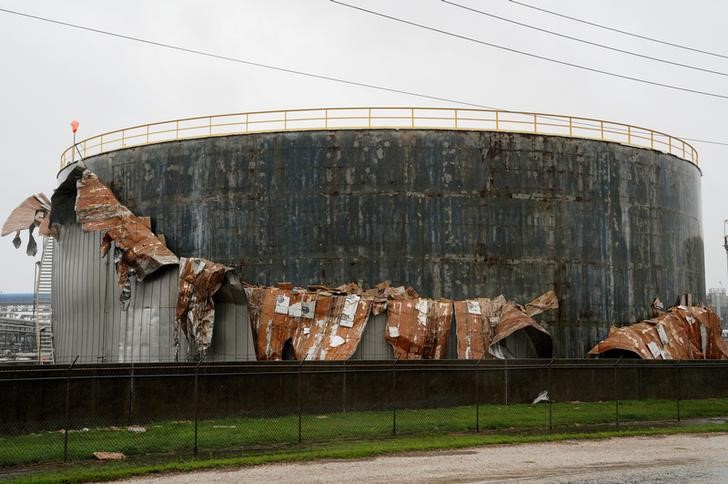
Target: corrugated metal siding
(91, 324)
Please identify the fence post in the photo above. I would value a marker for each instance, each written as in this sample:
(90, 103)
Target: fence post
(197, 400)
(300, 409)
(394, 397)
(551, 397)
(678, 389)
(68, 409)
(131, 396)
(616, 392)
(505, 379)
(343, 396)
(477, 395)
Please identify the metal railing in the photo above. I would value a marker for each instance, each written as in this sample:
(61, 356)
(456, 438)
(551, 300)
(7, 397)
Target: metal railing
(381, 118)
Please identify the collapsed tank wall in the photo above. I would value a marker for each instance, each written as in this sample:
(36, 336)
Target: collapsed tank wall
(454, 214)
(88, 320)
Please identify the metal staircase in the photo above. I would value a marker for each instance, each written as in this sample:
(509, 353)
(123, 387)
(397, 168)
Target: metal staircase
(42, 303)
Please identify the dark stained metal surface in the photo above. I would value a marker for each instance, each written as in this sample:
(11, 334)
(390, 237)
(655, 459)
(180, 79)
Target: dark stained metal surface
(453, 214)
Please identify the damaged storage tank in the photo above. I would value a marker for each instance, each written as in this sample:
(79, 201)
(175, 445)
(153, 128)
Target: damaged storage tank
(457, 204)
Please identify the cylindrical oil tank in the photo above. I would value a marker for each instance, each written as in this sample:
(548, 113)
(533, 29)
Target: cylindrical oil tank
(452, 213)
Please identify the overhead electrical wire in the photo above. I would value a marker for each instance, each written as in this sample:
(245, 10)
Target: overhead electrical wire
(584, 41)
(243, 61)
(624, 32)
(271, 67)
(530, 54)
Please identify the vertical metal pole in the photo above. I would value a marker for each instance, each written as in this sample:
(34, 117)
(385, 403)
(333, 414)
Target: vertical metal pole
(131, 396)
(197, 406)
(343, 397)
(616, 392)
(477, 395)
(68, 410)
(678, 389)
(394, 397)
(505, 379)
(299, 401)
(551, 397)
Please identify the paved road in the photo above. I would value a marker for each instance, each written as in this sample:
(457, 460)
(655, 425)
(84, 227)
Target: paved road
(679, 458)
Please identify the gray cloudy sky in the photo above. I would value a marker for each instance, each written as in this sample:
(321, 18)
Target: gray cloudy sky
(50, 74)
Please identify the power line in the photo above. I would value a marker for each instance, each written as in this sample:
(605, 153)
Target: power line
(584, 41)
(275, 68)
(613, 29)
(243, 61)
(530, 54)
(720, 143)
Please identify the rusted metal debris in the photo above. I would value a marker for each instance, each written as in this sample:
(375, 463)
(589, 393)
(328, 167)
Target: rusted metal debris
(680, 333)
(199, 280)
(418, 328)
(497, 328)
(32, 213)
(137, 251)
(317, 323)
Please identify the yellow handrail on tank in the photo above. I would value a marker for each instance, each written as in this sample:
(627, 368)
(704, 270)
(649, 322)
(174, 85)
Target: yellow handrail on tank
(462, 119)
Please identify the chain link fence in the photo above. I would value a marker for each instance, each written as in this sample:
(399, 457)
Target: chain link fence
(157, 412)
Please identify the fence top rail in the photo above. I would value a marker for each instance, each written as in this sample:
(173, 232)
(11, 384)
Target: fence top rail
(380, 117)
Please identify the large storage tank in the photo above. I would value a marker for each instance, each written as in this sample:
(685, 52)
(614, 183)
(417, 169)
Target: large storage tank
(457, 210)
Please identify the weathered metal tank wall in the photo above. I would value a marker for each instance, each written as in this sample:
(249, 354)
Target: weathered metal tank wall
(454, 214)
(90, 323)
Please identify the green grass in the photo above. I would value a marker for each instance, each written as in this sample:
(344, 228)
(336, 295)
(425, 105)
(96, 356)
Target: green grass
(76, 472)
(351, 434)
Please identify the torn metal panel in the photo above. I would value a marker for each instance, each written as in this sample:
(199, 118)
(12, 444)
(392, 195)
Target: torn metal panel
(138, 251)
(318, 324)
(268, 313)
(476, 320)
(384, 292)
(518, 335)
(680, 333)
(32, 213)
(418, 328)
(544, 302)
(497, 328)
(199, 280)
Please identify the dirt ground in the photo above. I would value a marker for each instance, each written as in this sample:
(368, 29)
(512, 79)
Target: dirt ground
(678, 458)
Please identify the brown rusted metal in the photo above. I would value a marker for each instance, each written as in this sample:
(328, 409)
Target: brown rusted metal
(199, 280)
(138, 251)
(32, 213)
(418, 328)
(484, 326)
(315, 324)
(680, 333)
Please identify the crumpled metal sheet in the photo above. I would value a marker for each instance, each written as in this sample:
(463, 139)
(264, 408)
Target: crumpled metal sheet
(384, 292)
(476, 320)
(514, 322)
(680, 333)
(199, 280)
(140, 252)
(484, 325)
(32, 213)
(418, 328)
(315, 324)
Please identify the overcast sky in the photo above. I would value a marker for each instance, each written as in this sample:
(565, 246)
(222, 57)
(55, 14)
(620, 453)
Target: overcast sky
(50, 74)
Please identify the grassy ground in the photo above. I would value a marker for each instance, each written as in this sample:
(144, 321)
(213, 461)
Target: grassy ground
(165, 446)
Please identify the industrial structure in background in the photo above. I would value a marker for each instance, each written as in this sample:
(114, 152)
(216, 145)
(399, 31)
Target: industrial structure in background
(20, 331)
(407, 232)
